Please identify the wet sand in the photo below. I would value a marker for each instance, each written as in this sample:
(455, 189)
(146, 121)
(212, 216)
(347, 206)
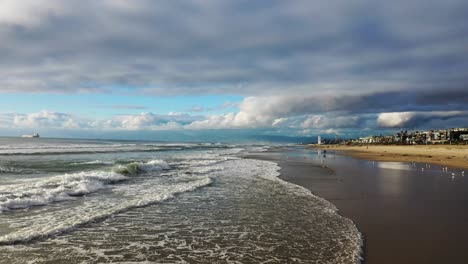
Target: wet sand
(405, 215)
(447, 155)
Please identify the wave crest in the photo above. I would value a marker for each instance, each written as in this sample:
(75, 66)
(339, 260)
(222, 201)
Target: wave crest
(54, 189)
(135, 168)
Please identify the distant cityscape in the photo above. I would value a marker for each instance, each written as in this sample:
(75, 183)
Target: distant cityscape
(405, 137)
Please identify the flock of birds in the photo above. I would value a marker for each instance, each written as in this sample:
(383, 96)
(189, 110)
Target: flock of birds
(444, 169)
(427, 166)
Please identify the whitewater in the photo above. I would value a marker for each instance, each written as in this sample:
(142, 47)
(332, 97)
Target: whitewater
(97, 201)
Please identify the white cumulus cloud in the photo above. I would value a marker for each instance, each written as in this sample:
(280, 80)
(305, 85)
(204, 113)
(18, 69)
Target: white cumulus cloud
(414, 119)
(47, 119)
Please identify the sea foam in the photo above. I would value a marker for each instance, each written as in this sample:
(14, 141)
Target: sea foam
(251, 187)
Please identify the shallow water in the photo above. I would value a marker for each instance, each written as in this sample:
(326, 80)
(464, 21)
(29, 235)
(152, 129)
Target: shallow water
(199, 203)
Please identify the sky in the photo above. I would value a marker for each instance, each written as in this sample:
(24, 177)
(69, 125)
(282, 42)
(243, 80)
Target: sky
(143, 68)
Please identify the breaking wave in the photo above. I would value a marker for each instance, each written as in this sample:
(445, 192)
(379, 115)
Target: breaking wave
(67, 186)
(128, 190)
(54, 189)
(52, 223)
(139, 167)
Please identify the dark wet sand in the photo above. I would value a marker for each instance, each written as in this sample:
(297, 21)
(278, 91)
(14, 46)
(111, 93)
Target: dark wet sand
(405, 216)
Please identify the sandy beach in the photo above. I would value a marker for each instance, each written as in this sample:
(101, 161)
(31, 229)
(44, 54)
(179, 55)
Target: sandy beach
(447, 155)
(404, 215)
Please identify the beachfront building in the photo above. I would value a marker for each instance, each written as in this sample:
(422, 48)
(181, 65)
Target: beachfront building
(457, 133)
(434, 136)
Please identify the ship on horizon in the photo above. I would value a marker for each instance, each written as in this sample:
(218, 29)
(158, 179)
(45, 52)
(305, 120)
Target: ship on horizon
(35, 135)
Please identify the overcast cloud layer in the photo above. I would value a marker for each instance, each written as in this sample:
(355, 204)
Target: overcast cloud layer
(323, 65)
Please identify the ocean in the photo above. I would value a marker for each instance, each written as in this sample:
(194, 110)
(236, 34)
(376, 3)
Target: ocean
(98, 201)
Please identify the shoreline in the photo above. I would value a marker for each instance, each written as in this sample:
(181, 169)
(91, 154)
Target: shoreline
(445, 155)
(403, 217)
